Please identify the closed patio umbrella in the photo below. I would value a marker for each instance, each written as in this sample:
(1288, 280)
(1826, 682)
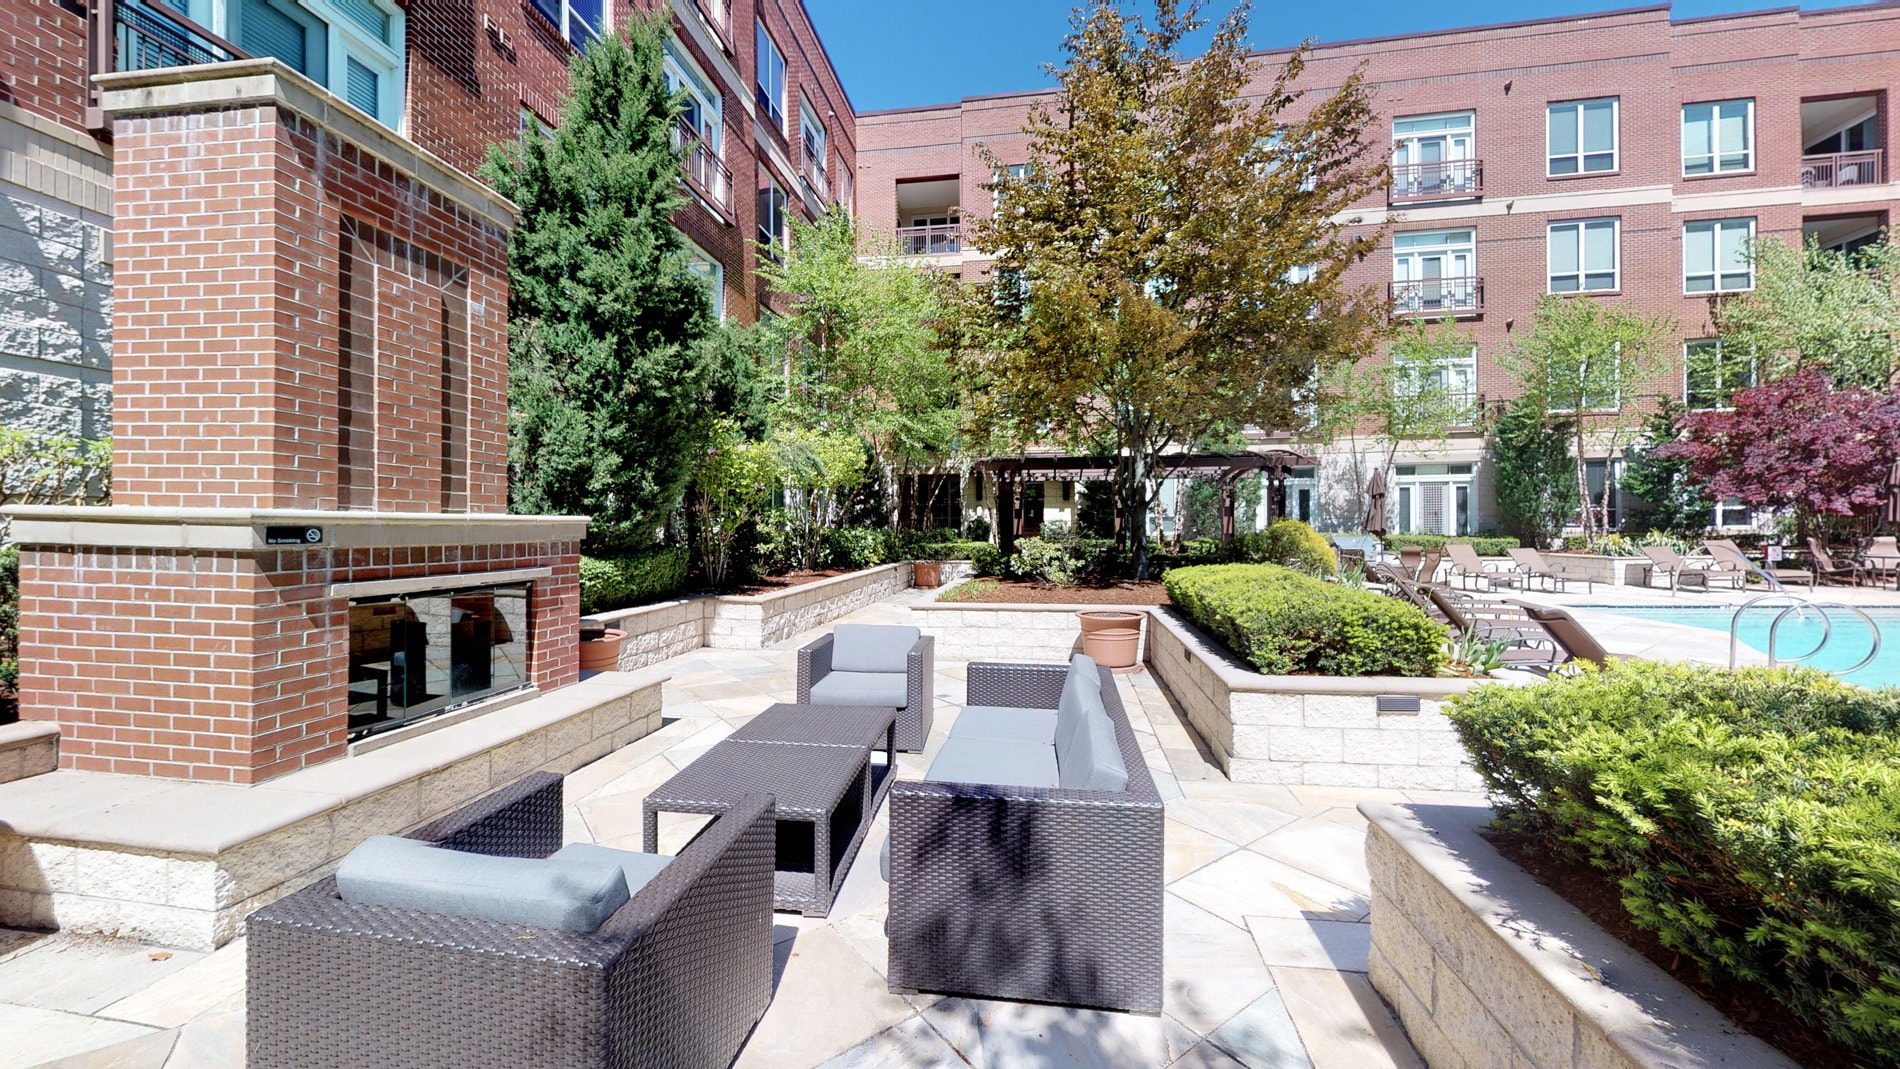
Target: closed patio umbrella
(1892, 512)
(1374, 522)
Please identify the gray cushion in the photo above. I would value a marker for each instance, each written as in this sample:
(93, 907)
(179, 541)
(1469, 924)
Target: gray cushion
(861, 688)
(871, 648)
(1106, 771)
(575, 896)
(638, 868)
(1081, 696)
(1004, 724)
(1007, 764)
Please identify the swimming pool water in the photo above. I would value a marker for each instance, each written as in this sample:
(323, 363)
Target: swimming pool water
(1848, 644)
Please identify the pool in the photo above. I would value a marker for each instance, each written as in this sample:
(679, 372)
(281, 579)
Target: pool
(1849, 643)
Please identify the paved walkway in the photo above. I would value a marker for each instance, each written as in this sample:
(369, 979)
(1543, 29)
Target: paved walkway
(1266, 933)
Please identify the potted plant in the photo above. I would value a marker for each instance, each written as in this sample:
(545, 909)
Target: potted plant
(600, 646)
(1110, 637)
(927, 573)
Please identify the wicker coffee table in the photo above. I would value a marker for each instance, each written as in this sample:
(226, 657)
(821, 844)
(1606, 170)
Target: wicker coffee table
(816, 762)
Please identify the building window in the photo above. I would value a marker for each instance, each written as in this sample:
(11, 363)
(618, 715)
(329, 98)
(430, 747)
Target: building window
(1435, 271)
(1715, 256)
(1434, 498)
(1596, 395)
(811, 144)
(415, 655)
(1434, 156)
(1457, 377)
(1732, 513)
(354, 48)
(704, 111)
(1712, 374)
(770, 81)
(578, 20)
(701, 263)
(1581, 137)
(1718, 138)
(1583, 256)
(773, 224)
(1594, 474)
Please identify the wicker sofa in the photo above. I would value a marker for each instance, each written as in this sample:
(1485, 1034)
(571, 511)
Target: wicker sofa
(1039, 893)
(869, 662)
(678, 976)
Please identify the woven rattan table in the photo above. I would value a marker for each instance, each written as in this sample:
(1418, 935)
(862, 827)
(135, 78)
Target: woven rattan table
(816, 762)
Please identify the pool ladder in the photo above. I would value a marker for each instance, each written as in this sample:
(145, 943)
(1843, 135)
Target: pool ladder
(1799, 607)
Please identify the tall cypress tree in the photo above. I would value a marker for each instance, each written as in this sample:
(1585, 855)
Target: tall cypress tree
(1536, 475)
(610, 365)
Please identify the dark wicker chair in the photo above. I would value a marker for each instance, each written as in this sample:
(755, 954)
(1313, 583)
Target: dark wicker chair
(913, 720)
(1024, 893)
(677, 977)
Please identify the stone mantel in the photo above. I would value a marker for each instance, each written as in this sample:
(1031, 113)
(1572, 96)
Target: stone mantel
(242, 530)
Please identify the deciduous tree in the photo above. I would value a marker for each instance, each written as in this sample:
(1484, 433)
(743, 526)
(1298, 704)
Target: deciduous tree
(1414, 396)
(1815, 308)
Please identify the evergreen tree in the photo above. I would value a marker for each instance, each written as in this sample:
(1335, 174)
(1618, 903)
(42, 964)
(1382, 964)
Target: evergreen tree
(1536, 475)
(1673, 499)
(612, 370)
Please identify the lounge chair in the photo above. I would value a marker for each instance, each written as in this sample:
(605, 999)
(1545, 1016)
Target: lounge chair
(868, 664)
(1826, 567)
(1694, 572)
(1727, 552)
(1531, 565)
(1428, 567)
(1881, 558)
(1531, 646)
(1564, 629)
(1467, 567)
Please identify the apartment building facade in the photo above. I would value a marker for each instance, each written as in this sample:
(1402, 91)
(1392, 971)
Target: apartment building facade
(770, 134)
(1626, 155)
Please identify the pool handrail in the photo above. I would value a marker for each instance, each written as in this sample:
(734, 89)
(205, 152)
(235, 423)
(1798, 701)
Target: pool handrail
(1799, 605)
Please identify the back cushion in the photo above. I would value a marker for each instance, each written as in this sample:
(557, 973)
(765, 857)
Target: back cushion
(1076, 759)
(1081, 695)
(574, 896)
(1106, 771)
(871, 647)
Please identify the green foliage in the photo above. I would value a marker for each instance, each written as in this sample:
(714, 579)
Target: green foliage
(1411, 396)
(1200, 518)
(1470, 653)
(613, 354)
(977, 530)
(1284, 622)
(1673, 499)
(1095, 509)
(1751, 818)
(1043, 561)
(968, 590)
(818, 470)
(53, 469)
(1536, 475)
(958, 550)
(9, 616)
(1818, 309)
(1609, 545)
(987, 559)
(619, 582)
(859, 547)
(1486, 545)
(730, 481)
(1286, 541)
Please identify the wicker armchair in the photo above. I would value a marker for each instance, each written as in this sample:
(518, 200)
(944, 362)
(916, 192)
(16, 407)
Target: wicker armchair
(1045, 895)
(914, 717)
(676, 977)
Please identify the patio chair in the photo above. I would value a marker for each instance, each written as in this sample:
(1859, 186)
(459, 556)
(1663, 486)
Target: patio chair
(1725, 551)
(1467, 567)
(1826, 567)
(867, 664)
(1407, 590)
(1881, 558)
(1531, 565)
(1531, 645)
(678, 975)
(1564, 629)
(1428, 567)
(1695, 572)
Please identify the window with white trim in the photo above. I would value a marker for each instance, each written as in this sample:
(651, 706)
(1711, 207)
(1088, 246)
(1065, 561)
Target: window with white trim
(774, 226)
(704, 111)
(1434, 155)
(1435, 271)
(1732, 513)
(811, 143)
(701, 263)
(1718, 137)
(769, 79)
(1583, 255)
(1711, 374)
(1715, 256)
(1457, 376)
(578, 20)
(354, 48)
(1581, 137)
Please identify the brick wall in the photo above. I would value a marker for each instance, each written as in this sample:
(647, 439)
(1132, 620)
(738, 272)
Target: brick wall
(43, 66)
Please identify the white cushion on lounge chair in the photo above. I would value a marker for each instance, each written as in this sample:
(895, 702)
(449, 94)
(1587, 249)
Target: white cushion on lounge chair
(872, 648)
(861, 688)
(575, 896)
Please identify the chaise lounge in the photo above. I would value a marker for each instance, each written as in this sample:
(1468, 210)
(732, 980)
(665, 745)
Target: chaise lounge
(867, 664)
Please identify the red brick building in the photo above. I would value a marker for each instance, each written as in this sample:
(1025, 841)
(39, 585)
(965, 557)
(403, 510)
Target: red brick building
(1624, 154)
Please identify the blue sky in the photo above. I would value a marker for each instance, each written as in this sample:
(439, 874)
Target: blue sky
(899, 53)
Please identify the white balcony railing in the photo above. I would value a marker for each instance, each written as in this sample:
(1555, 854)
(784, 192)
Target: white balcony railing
(705, 172)
(936, 240)
(1841, 169)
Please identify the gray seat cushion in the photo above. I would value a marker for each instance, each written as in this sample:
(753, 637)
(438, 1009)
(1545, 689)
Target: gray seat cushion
(872, 648)
(574, 896)
(1093, 759)
(1004, 724)
(861, 688)
(1081, 697)
(1005, 764)
(638, 868)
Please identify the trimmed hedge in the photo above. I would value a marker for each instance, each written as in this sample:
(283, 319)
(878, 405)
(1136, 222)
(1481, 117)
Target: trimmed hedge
(1285, 622)
(1486, 545)
(1288, 540)
(1751, 818)
(608, 584)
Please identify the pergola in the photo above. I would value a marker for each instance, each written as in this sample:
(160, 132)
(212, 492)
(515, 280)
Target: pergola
(1011, 472)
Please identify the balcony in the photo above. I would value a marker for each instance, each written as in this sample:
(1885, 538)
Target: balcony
(706, 174)
(1413, 183)
(811, 167)
(1839, 169)
(930, 240)
(132, 35)
(718, 15)
(1438, 297)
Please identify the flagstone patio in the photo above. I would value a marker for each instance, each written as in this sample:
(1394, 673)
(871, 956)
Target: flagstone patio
(1266, 933)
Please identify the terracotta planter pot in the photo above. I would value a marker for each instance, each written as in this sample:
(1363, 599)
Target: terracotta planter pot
(1112, 639)
(927, 573)
(602, 654)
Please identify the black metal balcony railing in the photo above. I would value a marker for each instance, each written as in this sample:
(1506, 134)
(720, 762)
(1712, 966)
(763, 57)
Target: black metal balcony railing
(706, 173)
(930, 240)
(1841, 169)
(1443, 180)
(1438, 296)
(137, 35)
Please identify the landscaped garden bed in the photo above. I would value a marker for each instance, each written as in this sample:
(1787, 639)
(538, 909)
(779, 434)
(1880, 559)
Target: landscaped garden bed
(1022, 591)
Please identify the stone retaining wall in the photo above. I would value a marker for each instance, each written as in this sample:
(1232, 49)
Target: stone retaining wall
(1487, 967)
(1019, 632)
(1313, 730)
(28, 748)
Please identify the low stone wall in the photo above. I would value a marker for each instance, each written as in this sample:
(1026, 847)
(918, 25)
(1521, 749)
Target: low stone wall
(1313, 730)
(746, 622)
(1486, 966)
(28, 748)
(1020, 632)
(182, 864)
(1588, 566)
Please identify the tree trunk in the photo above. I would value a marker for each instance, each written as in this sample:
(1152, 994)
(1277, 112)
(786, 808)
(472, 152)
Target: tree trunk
(1583, 492)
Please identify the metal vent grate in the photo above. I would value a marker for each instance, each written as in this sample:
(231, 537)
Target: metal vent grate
(1398, 703)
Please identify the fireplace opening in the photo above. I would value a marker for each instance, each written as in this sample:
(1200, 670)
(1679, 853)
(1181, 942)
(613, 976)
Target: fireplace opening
(416, 655)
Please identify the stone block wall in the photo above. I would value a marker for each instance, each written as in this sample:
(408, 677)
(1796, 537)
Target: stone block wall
(1014, 633)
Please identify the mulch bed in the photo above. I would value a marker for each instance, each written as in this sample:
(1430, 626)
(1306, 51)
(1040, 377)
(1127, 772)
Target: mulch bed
(1750, 1006)
(1113, 592)
(774, 583)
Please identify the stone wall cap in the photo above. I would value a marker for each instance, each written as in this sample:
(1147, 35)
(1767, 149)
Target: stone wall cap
(1030, 606)
(237, 529)
(1642, 1011)
(26, 733)
(269, 81)
(806, 588)
(1237, 675)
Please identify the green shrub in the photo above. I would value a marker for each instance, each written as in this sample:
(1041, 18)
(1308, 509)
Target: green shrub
(623, 581)
(1288, 542)
(1284, 622)
(977, 530)
(958, 550)
(857, 547)
(1042, 561)
(987, 559)
(935, 537)
(1486, 545)
(1751, 818)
